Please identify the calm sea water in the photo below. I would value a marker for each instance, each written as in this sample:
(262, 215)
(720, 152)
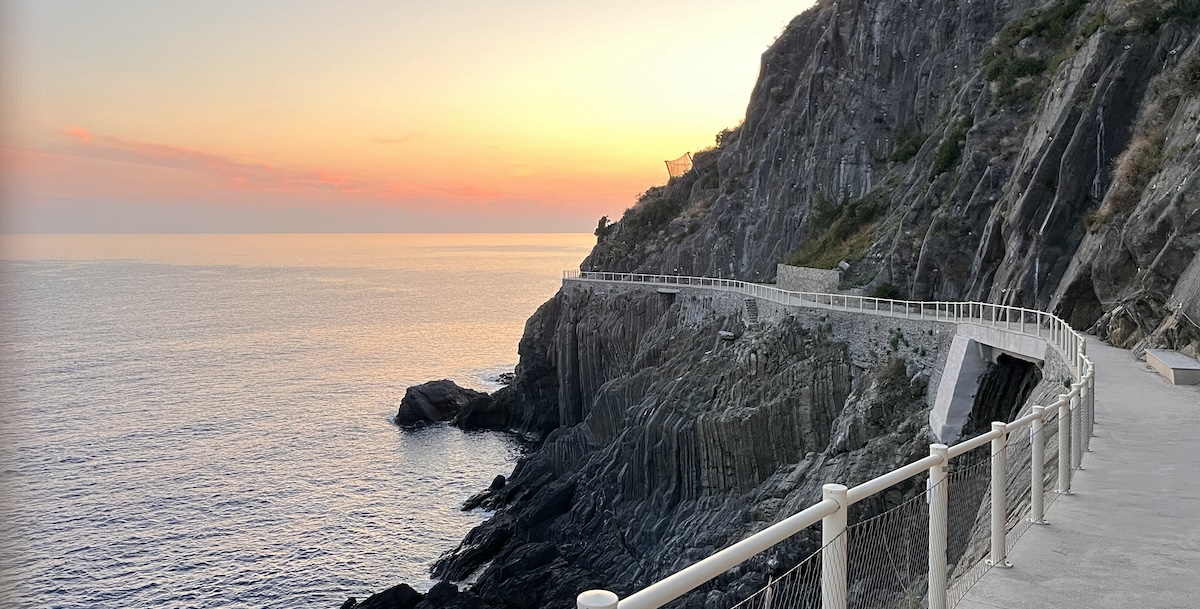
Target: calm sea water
(204, 420)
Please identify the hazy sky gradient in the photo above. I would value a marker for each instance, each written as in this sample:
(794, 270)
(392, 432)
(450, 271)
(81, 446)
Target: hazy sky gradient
(361, 115)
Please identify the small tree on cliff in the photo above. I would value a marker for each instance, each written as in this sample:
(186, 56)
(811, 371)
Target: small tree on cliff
(602, 228)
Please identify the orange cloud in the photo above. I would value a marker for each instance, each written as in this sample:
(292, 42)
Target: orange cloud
(80, 133)
(240, 174)
(88, 166)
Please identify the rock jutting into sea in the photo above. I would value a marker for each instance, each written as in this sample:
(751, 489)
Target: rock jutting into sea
(1041, 155)
(435, 401)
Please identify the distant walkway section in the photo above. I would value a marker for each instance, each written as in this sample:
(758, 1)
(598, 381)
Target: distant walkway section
(1129, 536)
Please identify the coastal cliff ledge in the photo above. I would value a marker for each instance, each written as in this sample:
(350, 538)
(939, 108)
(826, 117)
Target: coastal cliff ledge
(1034, 154)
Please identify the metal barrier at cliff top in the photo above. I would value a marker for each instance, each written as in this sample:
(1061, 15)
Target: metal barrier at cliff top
(1073, 413)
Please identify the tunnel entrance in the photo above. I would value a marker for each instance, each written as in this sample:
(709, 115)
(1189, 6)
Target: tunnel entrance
(1003, 389)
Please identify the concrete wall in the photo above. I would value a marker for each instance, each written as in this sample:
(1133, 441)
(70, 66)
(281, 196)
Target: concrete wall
(956, 389)
(803, 279)
(973, 347)
(953, 355)
(1021, 346)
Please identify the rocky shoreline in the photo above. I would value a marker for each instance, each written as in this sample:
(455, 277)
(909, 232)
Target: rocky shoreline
(1002, 151)
(683, 442)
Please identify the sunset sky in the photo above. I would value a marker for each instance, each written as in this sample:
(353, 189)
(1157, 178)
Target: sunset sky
(361, 115)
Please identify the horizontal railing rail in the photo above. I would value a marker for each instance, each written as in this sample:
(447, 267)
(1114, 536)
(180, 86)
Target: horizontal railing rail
(1075, 412)
(1031, 322)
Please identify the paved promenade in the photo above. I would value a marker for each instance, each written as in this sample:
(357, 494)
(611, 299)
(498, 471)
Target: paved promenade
(1130, 535)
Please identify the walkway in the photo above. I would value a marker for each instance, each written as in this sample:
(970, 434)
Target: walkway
(1130, 535)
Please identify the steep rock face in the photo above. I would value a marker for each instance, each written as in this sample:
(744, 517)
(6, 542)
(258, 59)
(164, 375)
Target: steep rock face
(1136, 274)
(1042, 156)
(674, 442)
(837, 92)
(949, 150)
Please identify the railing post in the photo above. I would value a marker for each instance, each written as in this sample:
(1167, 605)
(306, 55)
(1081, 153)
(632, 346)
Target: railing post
(596, 599)
(833, 552)
(938, 527)
(999, 497)
(1077, 431)
(1037, 481)
(1091, 406)
(1064, 445)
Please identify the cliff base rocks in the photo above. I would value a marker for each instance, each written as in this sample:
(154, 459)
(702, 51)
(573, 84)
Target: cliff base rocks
(438, 401)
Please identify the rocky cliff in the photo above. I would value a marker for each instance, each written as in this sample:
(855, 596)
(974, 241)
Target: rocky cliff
(670, 441)
(1041, 155)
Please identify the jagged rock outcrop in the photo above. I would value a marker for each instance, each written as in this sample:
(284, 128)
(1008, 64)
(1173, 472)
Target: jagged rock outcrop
(672, 442)
(995, 150)
(400, 596)
(441, 400)
(1043, 156)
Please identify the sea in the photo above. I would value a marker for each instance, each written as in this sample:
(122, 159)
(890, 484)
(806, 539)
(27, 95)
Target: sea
(205, 420)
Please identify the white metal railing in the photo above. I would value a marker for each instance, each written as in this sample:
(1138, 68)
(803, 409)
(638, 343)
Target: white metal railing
(1075, 411)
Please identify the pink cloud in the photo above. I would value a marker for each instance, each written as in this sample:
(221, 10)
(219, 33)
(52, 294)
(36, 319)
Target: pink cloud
(86, 165)
(249, 175)
(80, 133)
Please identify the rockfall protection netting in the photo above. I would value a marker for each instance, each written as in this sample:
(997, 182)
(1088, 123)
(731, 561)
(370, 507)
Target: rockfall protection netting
(680, 165)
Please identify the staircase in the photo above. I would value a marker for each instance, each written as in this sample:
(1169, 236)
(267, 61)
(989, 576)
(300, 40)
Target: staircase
(751, 313)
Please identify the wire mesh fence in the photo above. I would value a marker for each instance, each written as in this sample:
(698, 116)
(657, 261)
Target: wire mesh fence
(887, 555)
(1048, 436)
(967, 520)
(797, 588)
(889, 558)
(1018, 482)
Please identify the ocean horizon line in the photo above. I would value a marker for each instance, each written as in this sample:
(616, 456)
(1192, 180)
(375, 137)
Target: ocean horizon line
(173, 233)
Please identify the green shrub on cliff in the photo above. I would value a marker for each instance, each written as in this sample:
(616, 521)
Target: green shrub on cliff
(948, 152)
(839, 231)
(1003, 65)
(908, 146)
(656, 208)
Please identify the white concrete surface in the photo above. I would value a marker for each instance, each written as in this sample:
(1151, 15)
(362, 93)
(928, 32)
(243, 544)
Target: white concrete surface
(1021, 346)
(974, 345)
(956, 390)
(1174, 366)
(1129, 536)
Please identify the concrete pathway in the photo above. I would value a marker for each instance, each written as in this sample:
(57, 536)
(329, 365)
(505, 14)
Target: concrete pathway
(1129, 536)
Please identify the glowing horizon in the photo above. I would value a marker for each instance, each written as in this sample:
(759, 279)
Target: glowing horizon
(529, 115)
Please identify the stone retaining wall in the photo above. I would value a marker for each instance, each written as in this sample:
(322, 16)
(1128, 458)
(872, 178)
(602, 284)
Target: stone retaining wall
(803, 279)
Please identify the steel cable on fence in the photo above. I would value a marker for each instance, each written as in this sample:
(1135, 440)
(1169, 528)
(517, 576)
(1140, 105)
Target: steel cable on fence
(1018, 483)
(889, 558)
(967, 520)
(1050, 466)
(797, 588)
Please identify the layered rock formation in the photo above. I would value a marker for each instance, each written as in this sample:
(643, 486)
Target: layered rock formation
(669, 442)
(994, 151)
(989, 150)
